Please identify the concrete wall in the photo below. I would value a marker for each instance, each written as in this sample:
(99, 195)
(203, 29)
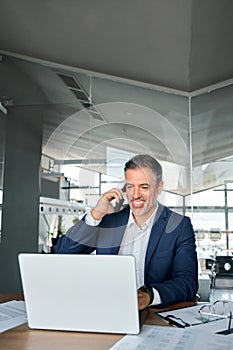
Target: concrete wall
(21, 182)
(20, 214)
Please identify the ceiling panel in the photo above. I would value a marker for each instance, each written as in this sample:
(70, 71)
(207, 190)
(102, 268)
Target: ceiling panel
(181, 44)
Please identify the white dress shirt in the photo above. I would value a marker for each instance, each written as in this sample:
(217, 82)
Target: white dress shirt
(134, 242)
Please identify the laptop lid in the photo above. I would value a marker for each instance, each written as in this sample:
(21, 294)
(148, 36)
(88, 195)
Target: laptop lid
(90, 293)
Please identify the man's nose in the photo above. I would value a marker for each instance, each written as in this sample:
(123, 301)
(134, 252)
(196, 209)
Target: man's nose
(137, 192)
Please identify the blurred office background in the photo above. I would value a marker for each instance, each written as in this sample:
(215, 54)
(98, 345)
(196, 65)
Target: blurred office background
(85, 85)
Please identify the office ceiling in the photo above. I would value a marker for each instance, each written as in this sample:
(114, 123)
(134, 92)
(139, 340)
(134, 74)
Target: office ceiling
(123, 53)
(181, 44)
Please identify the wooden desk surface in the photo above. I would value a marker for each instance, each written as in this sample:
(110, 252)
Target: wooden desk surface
(24, 338)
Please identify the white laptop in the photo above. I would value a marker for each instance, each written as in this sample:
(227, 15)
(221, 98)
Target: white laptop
(88, 293)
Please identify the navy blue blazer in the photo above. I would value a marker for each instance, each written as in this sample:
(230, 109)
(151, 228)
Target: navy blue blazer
(171, 259)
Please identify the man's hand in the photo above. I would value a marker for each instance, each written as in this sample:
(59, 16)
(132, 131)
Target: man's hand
(104, 205)
(143, 299)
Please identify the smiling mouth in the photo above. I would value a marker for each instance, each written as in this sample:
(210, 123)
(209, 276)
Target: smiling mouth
(137, 202)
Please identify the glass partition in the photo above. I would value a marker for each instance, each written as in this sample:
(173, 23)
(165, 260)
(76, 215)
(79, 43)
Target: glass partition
(127, 120)
(93, 124)
(212, 155)
(115, 121)
(2, 146)
(190, 135)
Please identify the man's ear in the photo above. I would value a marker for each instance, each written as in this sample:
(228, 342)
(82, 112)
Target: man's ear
(160, 187)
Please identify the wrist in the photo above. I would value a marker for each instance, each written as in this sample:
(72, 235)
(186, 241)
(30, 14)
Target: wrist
(148, 290)
(96, 214)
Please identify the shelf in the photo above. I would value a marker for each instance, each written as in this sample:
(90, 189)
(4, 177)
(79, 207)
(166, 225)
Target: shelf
(60, 207)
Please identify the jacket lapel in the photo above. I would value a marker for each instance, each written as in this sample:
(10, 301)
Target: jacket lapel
(156, 232)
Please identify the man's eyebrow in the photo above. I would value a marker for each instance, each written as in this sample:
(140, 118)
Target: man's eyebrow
(143, 184)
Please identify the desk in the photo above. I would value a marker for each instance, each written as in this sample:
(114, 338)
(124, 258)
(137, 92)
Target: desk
(23, 338)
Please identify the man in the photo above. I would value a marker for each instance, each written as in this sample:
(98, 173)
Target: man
(162, 241)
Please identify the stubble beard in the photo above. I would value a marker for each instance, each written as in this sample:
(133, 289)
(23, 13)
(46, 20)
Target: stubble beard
(140, 211)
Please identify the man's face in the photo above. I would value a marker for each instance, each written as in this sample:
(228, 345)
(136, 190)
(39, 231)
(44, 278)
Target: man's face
(141, 191)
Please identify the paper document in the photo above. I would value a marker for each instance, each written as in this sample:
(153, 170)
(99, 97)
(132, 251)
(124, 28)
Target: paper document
(12, 314)
(171, 338)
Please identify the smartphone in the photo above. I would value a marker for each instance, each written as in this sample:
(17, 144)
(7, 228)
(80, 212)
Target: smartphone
(120, 204)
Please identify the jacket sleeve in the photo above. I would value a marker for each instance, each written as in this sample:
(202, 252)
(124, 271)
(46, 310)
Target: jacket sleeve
(181, 282)
(105, 237)
(79, 239)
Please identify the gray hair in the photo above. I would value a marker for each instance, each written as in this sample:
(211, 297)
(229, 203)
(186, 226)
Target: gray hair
(145, 161)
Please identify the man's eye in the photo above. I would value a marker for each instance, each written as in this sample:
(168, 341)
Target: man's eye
(145, 187)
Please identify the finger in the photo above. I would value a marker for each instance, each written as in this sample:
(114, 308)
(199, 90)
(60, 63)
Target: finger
(142, 304)
(114, 194)
(143, 300)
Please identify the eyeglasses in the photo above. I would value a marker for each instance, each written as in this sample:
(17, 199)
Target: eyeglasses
(217, 310)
